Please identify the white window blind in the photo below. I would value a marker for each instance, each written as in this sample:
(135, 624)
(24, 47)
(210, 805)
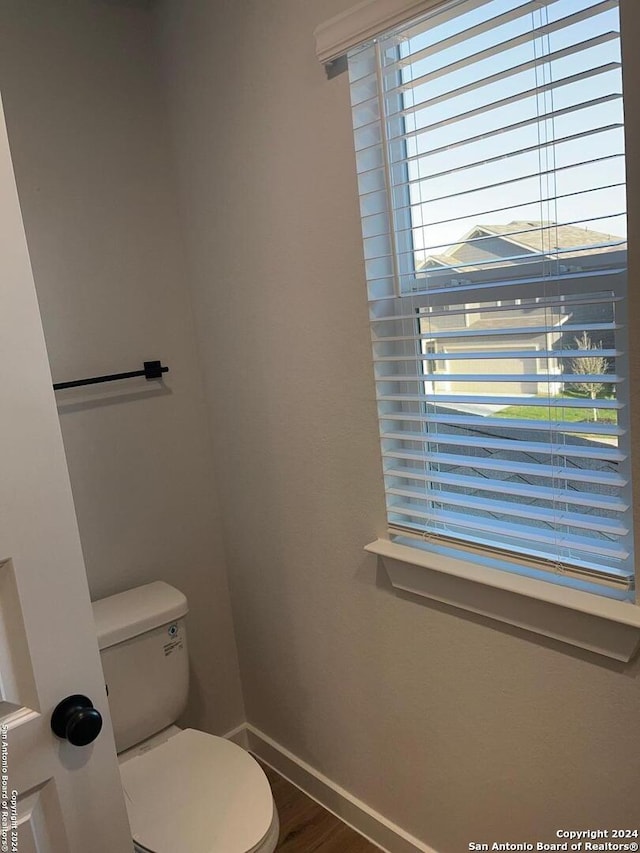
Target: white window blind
(489, 143)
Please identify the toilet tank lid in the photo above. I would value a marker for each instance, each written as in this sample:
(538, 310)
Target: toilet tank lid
(129, 614)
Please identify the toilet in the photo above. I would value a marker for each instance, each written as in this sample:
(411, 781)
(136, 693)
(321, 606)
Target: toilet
(185, 790)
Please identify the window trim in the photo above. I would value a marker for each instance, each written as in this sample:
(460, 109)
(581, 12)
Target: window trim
(595, 623)
(364, 21)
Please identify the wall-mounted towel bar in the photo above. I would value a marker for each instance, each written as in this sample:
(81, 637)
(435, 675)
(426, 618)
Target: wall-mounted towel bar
(152, 370)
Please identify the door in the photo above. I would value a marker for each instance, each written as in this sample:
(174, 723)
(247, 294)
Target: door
(54, 797)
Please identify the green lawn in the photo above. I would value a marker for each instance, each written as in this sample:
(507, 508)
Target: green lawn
(541, 413)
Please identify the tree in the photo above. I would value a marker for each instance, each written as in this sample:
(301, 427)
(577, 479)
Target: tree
(589, 365)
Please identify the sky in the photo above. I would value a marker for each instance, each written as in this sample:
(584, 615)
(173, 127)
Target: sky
(445, 206)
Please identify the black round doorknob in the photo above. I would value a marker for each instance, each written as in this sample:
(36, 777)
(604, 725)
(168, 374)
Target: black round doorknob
(76, 720)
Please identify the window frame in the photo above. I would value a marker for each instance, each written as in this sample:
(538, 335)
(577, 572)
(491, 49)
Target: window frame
(573, 615)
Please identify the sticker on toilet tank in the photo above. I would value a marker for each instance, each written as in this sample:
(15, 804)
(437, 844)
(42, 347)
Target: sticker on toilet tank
(175, 642)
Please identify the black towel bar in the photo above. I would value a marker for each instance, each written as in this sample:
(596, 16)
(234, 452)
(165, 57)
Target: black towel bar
(152, 370)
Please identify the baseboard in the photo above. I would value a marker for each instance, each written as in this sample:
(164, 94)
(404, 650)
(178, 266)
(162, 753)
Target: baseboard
(349, 809)
(239, 735)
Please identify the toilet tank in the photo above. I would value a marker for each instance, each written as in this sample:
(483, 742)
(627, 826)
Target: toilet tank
(143, 647)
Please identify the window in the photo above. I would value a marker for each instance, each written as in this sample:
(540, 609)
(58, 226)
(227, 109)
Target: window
(489, 139)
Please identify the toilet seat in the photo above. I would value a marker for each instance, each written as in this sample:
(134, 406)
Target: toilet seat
(198, 793)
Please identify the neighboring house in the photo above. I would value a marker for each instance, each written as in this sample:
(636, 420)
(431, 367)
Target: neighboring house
(480, 319)
(500, 246)
(518, 241)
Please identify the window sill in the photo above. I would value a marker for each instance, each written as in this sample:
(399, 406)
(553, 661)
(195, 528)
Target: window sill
(601, 625)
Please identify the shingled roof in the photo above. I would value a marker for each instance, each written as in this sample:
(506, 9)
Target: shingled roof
(543, 236)
(535, 237)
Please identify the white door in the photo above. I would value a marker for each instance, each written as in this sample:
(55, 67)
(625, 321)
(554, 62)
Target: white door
(54, 797)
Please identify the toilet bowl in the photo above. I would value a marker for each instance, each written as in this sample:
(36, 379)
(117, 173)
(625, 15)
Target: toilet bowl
(195, 792)
(185, 790)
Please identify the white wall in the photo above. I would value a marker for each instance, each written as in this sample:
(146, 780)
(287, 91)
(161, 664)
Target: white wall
(453, 727)
(95, 181)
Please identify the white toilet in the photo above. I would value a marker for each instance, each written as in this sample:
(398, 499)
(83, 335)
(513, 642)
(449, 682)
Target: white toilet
(185, 790)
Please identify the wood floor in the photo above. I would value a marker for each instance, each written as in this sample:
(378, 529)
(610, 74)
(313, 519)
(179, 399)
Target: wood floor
(305, 827)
